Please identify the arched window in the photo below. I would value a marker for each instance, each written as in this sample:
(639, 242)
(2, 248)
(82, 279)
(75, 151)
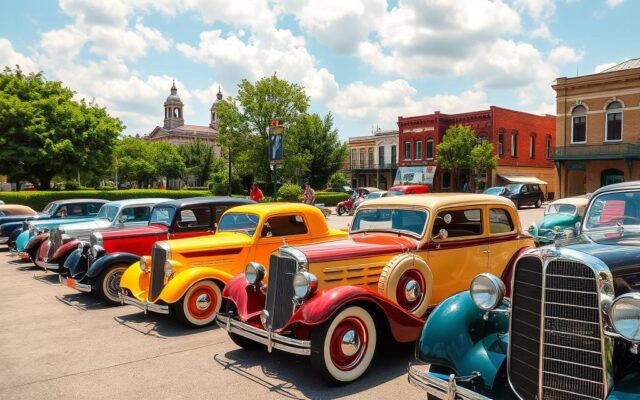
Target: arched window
(611, 176)
(429, 149)
(579, 125)
(418, 150)
(613, 129)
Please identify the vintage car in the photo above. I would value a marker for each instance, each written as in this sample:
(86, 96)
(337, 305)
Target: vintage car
(333, 301)
(360, 193)
(570, 330)
(409, 189)
(7, 210)
(185, 277)
(50, 250)
(560, 219)
(59, 210)
(97, 265)
(525, 194)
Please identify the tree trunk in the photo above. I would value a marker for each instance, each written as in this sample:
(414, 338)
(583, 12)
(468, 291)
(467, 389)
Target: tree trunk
(45, 180)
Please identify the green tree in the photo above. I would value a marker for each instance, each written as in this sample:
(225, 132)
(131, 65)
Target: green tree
(198, 160)
(483, 158)
(44, 132)
(338, 179)
(166, 160)
(134, 161)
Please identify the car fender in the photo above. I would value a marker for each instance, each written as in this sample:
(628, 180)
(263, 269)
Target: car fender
(66, 248)
(404, 326)
(182, 281)
(507, 274)
(8, 228)
(248, 299)
(458, 336)
(108, 260)
(76, 264)
(14, 236)
(35, 242)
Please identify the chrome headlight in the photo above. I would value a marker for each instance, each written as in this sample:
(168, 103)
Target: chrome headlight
(625, 316)
(96, 238)
(557, 229)
(168, 268)
(254, 272)
(487, 291)
(143, 264)
(304, 285)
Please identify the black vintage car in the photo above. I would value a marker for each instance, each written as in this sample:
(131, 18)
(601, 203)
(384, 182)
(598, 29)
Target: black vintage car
(570, 330)
(524, 194)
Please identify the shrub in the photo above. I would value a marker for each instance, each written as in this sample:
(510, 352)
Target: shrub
(337, 179)
(289, 192)
(330, 199)
(71, 184)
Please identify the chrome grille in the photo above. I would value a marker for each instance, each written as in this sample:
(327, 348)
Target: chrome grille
(55, 239)
(566, 317)
(156, 280)
(279, 303)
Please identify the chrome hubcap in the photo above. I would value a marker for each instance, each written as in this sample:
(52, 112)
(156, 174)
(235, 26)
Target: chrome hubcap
(412, 290)
(350, 343)
(203, 301)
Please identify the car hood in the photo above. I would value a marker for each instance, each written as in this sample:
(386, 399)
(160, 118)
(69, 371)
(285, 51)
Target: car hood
(154, 229)
(82, 227)
(20, 218)
(51, 223)
(221, 240)
(561, 220)
(358, 246)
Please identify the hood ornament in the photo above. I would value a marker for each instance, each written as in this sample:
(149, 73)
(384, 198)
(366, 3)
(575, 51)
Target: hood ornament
(284, 242)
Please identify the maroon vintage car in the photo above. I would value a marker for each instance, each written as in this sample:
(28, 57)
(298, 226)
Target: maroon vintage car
(99, 264)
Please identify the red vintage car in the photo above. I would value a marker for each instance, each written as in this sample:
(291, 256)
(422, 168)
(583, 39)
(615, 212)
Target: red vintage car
(97, 265)
(408, 189)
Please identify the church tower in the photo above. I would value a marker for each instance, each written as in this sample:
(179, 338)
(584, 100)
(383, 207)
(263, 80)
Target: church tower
(173, 117)
(215, 118)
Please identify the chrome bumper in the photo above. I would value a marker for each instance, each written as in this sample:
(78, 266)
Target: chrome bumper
(4, 239)
(268, 338)
(144, 305)
(74, 284)
(420, 377)
(47, 266)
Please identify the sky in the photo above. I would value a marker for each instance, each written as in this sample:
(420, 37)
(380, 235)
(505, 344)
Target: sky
(365, 61)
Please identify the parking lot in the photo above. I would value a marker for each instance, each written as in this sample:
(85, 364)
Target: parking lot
(56, 343)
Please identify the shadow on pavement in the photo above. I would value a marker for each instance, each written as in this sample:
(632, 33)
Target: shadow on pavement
(162, 326)
(389, 363)
(48, 278)
(81, 301)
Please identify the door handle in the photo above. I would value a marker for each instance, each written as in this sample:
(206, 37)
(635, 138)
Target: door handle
(485, 251)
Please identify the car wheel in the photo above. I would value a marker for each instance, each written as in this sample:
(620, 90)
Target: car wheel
(341, 210)
(538, 203)
(199, 306)
(108, 284)
(243, 342)
(343, 347)
(407, 280)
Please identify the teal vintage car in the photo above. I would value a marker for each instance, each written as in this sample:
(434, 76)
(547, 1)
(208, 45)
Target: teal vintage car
(560, 219)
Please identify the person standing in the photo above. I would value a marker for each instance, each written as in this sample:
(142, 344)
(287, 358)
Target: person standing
(309, 194)
(256, 194)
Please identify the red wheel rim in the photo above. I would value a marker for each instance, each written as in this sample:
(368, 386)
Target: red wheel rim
(195, 309)
(346, 361)
(401, 295)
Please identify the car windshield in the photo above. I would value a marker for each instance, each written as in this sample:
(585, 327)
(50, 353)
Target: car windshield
(49, 208)
(614, 209)
(494, 190)
(390, 219)
(567, 209)
(239, 222)
(373, 195)
(108, 213)
(394, 193)
(514, 187)
(162, 215)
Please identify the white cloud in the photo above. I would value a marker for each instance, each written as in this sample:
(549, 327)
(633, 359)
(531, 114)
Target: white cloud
(10, 57)
(565, 55)
(602, 67)
(614, 3)
(537, 9)
(542, 31)
(252, 13)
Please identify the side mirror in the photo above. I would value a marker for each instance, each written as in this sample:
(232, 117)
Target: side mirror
(442, 234)
(447, 220)
(577, 226)
(122, 219)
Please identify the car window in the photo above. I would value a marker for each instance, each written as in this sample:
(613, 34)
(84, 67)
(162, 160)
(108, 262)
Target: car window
(459, 223)
(137, 214)
(195, 218)
(559, 208)
(239, 222)
(524, 189)
(614, 209)
(162, 215)
(535, 188)
(284, 225)
(74, 210)
(93, 208)
(500, 221)
(219, 211)
(388, 219)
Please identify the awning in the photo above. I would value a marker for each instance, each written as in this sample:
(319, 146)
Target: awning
(522, 179)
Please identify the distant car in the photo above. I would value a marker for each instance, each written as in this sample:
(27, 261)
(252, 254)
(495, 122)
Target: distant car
(496, 190)
(345, 206)
(525, 194)
(560, 219)
(340, 189)
(408, 189)
(370, 196)
(27, 187)
(15, 209)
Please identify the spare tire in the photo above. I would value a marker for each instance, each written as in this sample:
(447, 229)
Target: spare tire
(407, 280)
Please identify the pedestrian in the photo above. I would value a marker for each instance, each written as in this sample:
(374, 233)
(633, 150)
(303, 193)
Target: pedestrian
(309, 194)
(256, 194)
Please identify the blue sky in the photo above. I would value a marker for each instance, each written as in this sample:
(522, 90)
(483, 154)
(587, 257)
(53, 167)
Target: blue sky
(366, 61)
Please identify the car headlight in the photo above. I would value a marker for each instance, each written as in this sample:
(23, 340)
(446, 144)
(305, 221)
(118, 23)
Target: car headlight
(304, 285)
(487, 291)
(168, 268)
(254, 272)
(557, 229)
(625, 316)
(143, 264)
(96, 238)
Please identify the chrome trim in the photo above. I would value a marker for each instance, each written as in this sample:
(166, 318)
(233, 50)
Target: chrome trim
(144, 305)
(81, 287)
(631, 295)
(165, 246)
(295, 254)
(268, 338)
(4, 239)
(47, 266)
(437, 387)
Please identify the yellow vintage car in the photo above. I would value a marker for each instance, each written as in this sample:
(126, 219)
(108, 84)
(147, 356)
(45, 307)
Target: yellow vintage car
(185, 277)
(404, 255)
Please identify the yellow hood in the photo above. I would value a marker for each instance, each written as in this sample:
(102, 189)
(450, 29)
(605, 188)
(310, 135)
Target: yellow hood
(221, 240)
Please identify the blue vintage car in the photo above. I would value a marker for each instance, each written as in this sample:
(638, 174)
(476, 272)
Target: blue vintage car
(560, 219)
(71, 209)
(570, 329)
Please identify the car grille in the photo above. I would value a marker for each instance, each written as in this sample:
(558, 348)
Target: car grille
(569, 362)
(55, 237)
(280, 290)
(156, 280)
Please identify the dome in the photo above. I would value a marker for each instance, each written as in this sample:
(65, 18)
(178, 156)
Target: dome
(173, 97)
(218, 99)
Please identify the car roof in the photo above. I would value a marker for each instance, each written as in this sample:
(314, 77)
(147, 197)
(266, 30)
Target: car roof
(437, 200)
(402, 187)
(212, 200)
(575, 201)
(617, 186)
(314, 218)
(67, 201)
(142, 202)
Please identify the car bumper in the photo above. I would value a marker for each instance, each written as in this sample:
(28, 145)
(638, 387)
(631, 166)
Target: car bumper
(4, 239)
(144, 305)
(75, 284)
(270, 339)
(434, 385)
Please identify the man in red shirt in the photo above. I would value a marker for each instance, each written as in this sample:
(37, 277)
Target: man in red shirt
(256, 194)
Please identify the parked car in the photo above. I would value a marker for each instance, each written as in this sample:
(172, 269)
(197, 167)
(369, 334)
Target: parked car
(496, 190)
(69, 209)
(560, 219)
(345, 206)
(185, 277)
(525, 194)
(370, 196)
(404, 255)
(98, 265)
(340, 189)
(570, 329)
(409, 189)
(52, 248)
(7, 210)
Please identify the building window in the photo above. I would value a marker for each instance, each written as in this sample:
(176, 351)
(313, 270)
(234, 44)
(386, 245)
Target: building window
(532, 146)
(501, 143)
(429, 149)
(514, 145)
(394, 152)
(361, 158)
(353, 158)
(370, 156)
(614, 122)
(446, 180)
(579, 125)
(381, 156)
(407, 150)
(548, 148)
(418, 150)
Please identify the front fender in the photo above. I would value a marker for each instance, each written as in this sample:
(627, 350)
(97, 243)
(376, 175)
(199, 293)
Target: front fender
(404, 326)
(76, 264)
(182, 281)
(458, 337)
(249, 301)
(9, 228)
(135, 281)
(34, 242)
(110, 259)
(65, 249)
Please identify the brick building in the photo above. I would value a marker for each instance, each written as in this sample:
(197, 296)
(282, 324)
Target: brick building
(598, 128)
(372, 159)
(522, 141)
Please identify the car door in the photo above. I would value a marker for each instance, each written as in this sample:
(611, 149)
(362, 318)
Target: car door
(525, 196)
(457, 258)
(279, 229)
(193, 221)
(502, 238)
(134, 216)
